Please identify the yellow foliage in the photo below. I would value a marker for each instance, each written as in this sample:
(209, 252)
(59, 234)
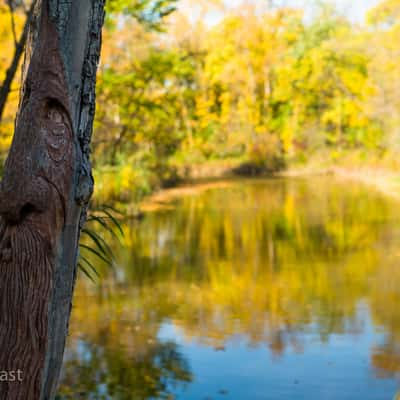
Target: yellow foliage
(6, 54)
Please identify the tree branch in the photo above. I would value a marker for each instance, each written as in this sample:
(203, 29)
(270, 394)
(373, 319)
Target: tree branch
(10, 4)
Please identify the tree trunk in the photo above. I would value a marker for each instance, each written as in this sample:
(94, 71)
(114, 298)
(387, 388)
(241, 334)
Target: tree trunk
(44, 194)
(5, 88)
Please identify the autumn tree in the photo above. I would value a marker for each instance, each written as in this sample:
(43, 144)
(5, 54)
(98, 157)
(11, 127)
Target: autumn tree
(383, 38)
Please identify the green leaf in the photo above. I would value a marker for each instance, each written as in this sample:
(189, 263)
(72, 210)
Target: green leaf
(108, 261)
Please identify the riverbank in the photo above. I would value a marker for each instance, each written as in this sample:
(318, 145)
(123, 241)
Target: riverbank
(382, 180)
(137, 193)
(385, 181)
(380, 173)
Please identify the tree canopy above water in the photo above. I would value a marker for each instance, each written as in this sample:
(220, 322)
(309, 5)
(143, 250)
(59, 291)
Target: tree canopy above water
(184, 83)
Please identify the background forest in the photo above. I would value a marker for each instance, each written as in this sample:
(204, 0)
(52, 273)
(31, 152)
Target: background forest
(189, 88)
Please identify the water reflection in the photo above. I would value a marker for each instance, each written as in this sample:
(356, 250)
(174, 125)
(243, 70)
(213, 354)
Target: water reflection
(292, 273)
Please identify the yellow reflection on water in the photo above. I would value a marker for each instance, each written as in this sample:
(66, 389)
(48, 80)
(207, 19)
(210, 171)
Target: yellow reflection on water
(270, 260)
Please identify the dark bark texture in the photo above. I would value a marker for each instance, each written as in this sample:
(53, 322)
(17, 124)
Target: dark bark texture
(45, 191)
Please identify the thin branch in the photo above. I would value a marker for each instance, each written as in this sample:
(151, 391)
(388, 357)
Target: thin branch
(25, 7)
(5, 86)
(14, 32)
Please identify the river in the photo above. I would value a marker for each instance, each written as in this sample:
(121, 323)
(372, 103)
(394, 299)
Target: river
(262, 289)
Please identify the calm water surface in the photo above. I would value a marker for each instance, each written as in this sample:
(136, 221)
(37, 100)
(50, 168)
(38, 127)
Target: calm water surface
(257, 290)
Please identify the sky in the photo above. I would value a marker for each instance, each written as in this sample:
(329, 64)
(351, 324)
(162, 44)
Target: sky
(354, 9)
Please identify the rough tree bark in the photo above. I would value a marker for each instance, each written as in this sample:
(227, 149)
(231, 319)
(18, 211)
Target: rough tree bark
(5, 87)
(46, 187)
